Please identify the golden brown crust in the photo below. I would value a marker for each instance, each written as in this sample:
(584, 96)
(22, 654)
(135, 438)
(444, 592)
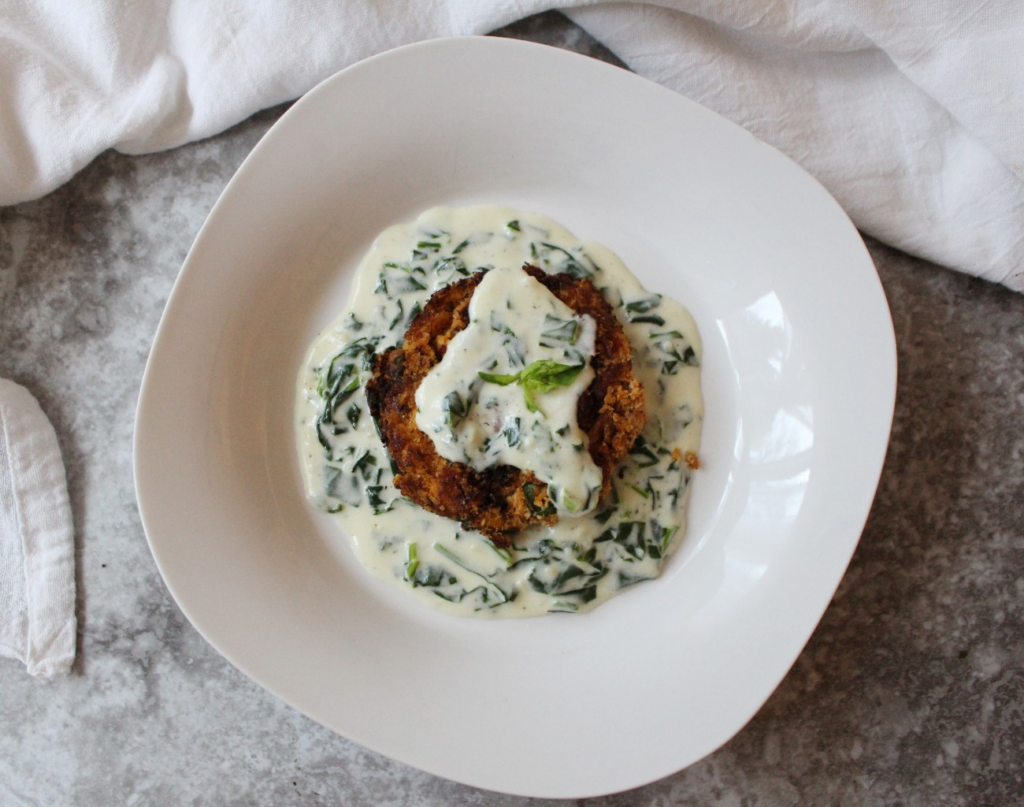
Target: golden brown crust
(610, 411)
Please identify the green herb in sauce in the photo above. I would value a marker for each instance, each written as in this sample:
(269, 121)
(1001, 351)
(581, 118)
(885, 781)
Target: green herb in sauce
(540, 376)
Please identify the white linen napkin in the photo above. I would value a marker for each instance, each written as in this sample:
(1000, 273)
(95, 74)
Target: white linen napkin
(37, 551)
(909, 112)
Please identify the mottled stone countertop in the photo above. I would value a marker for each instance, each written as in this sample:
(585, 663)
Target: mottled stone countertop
(910, 691)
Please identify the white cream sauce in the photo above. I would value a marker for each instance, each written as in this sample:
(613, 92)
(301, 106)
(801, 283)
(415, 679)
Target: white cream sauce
(582, 560)
(479, 407)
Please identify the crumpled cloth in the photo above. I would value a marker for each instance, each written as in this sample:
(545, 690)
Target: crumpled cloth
(37, 544)
(910, 113)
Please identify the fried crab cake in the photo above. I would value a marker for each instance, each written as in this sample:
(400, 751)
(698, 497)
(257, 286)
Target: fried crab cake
(500, 500)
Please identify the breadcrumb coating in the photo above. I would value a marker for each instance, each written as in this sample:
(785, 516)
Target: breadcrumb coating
(502, 500)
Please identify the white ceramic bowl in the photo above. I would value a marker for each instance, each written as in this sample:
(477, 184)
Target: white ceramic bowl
(799, 383)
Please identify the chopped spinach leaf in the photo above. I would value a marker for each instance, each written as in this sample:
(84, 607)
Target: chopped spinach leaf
(530, 490)
(397, 318)
(412, 560)
(455, 409)
(571, 265)
(644, 455)
(352, 323)
(644, 305)
(513, 433)
(413, 312)
(653, 319)
(559, 330)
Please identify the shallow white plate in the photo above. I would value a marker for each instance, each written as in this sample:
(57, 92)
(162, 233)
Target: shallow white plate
(799, 381)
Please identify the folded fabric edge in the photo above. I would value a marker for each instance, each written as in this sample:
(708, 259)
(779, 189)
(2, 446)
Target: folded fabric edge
(63, 658)
(985, 256)
(47, 533)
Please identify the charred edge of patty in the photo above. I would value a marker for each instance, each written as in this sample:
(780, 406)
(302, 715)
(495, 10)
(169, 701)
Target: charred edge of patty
(501, 500)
